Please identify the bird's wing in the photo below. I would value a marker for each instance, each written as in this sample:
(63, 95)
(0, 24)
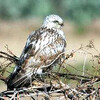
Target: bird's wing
(30, 46)
(44, 50)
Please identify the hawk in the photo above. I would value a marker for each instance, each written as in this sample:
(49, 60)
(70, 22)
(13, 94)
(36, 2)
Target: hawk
(44, 47)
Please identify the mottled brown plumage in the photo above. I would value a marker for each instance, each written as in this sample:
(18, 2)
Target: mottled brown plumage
(42, 50)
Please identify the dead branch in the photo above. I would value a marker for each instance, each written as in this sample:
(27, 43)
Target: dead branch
(51, 84)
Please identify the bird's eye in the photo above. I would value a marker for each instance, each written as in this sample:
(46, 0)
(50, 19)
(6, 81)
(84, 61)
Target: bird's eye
(55, 21)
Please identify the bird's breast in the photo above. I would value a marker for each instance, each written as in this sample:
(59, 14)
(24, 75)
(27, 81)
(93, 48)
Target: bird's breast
(45, 40)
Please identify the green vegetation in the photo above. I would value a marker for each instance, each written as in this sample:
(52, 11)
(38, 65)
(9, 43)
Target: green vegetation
(81, 12)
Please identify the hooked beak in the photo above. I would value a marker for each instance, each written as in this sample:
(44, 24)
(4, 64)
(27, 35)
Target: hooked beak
(62, 24)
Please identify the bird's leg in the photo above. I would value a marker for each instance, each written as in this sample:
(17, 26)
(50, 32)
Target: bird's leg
(38, 73)
(31, 82)
(45, 72)
(41, 77)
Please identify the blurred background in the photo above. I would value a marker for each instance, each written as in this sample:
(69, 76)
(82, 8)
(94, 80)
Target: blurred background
(18, 18)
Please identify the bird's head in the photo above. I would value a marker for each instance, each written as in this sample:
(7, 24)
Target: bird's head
(53, 21)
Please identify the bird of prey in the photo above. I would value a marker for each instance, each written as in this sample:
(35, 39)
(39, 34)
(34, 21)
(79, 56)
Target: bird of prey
(44, 47)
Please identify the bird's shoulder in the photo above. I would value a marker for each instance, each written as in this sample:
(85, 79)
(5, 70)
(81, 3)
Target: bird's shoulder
(35, 35)
(31, 42)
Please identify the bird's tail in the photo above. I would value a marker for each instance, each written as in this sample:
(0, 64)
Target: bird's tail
(19, 78)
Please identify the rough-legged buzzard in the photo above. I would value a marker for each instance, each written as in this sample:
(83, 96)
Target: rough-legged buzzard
(43, 49)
